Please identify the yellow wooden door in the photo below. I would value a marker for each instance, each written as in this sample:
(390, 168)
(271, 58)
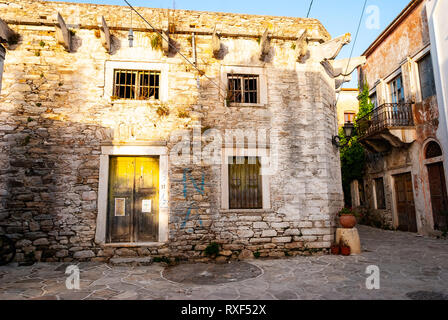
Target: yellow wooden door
(146, 199)
(133, 207)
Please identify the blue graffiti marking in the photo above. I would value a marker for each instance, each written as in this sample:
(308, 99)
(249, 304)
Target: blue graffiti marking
(185, 192)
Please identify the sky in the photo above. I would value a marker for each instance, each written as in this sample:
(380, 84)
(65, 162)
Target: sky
(337, 16)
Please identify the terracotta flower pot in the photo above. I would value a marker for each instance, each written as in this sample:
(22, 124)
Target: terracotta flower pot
(334, 249)
(345, 251)
(347, 221)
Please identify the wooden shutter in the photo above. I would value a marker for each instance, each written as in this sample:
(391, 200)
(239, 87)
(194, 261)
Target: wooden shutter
(245, 190)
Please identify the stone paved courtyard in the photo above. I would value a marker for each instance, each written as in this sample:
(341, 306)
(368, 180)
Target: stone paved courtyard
(411, 267)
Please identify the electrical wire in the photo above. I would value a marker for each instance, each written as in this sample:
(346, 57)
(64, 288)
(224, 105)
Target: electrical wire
(309, 9)
(353, 47)
(177, 51)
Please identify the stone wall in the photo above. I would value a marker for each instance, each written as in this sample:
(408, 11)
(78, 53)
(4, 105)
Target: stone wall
(55, 117)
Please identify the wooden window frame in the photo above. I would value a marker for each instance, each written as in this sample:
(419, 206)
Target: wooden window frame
(242, 78)
(395, 89)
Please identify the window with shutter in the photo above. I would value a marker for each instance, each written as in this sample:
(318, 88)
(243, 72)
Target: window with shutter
(426, 72)
(245, 188)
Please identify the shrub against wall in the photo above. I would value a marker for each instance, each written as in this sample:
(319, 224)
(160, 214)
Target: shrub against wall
(353, 154)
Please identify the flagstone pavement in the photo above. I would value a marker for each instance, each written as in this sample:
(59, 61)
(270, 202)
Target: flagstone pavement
(411, 267)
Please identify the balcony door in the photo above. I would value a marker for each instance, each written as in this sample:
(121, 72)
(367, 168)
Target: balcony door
(396, 90)
(404, 197)
(133, 204)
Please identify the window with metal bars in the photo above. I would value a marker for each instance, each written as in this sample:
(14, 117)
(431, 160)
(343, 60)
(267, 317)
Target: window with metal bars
(242, 88)
(245, 191)
(136, 84)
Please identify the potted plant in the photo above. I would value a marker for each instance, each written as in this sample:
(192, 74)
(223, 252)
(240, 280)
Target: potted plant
(345, 249)
(347, 218)
(334, 248)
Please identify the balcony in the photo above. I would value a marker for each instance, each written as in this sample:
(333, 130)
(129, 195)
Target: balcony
(390, 125)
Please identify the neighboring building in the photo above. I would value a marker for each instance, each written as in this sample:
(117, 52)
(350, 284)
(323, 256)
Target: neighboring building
(348, 106)
(438, 33)
(405, 182)
(94, 126)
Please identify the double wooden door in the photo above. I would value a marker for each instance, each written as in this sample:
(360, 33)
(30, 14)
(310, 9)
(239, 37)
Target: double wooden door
(439, 199)
(133, 206)
(407, 220)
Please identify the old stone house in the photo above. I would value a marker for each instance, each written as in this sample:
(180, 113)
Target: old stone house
(116, 143)
(405, 184)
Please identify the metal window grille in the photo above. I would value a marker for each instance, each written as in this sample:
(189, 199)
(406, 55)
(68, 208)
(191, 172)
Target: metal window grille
(245, 189)
(137, 84)
(243, 88)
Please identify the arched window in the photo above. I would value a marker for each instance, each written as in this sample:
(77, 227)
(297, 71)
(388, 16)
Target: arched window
(433, 150)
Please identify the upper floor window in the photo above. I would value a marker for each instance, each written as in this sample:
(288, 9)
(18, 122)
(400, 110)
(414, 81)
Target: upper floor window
(349, 117)
(136, 84)
(396, 90)
(243, 88)
(426, 73)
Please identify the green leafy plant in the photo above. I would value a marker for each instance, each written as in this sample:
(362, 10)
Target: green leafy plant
(26, 141)
(42, 44)
(348, 212)
(257, 254)
(353, 154)
(293, 46)
(156, 42)
(30, 119)
(162, 259)
(212, 249)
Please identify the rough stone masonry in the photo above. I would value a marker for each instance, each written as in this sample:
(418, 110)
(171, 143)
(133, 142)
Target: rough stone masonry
(61, 124)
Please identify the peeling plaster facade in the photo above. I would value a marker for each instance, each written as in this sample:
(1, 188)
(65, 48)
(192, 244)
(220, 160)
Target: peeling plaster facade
(61, 127)
(398, 51)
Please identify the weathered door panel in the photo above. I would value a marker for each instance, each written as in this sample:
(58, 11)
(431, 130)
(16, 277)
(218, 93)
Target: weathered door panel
(146, 199)
(121, 185)
(407, 220)
(133, 206)
(439, 199)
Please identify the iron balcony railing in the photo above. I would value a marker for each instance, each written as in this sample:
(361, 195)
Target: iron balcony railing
(388, 115)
